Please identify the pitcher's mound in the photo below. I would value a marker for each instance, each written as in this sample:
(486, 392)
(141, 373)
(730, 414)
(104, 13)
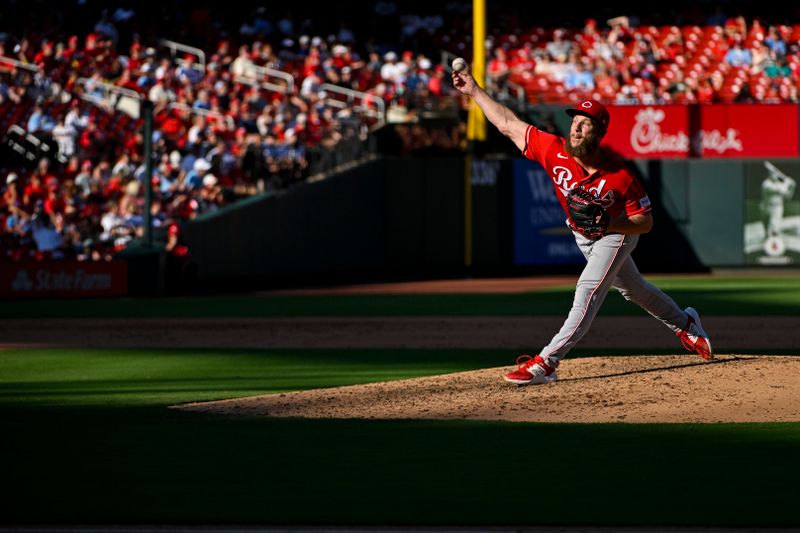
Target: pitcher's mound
(680, 388)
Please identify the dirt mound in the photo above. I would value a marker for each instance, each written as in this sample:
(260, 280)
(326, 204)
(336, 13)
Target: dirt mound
(640, 389)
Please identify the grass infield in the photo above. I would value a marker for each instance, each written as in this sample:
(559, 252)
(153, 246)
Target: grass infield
(88, 440)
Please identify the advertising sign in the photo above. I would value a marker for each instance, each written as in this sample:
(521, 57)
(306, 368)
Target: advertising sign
(541, 236)
(678, 131)
(63, 279)
(772, 213)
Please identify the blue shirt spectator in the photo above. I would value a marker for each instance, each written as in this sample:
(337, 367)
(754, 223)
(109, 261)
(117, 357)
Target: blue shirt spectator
(38, 121)
(738, 56)
(579, 78)
(189, 73)
(775, 43)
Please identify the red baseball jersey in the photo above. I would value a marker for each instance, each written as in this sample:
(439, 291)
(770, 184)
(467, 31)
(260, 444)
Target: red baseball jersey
(618, 189)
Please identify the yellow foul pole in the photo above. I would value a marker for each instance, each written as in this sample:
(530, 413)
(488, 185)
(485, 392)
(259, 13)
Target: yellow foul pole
(476, 123)
(476, 120)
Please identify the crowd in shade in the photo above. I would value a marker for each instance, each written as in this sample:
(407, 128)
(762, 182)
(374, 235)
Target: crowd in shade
(255, 111)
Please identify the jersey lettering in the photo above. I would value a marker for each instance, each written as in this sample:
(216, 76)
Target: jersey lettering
(561, 178)
(561, 175)
(598, 189)
(617, 189)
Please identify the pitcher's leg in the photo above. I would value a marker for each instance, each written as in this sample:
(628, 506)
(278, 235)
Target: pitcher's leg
(685, 323)
(634, 288)
(604, 261)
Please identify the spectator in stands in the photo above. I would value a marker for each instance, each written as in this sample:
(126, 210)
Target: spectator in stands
(738, 56)
(735, 28)
(39, 121)
(203, 101)
(197, 132)
(580, 77)
(705, 91)
(760, 57)
(393, 71)
(242, 66)
(522, 63)
(54, 204)
(65, 137)
(160, 93)
(311, 85)
(11, 194)
(84, 178)
(74, 120)
(559, 46)
(498, 68)
(188, 72)
(777, 67)
(48, 240)
(194, 178)
(775, 42)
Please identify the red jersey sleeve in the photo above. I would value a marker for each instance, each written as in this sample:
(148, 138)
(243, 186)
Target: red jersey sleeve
(636, 200)
(537, 143)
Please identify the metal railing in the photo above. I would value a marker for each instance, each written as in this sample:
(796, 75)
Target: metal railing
(126, 100)
(22, 136)
(262, 74)
(18, 64)
(520, 95)
(175, 46)
(205, 113)
(261, 84)
(358, 100)
(446, 58)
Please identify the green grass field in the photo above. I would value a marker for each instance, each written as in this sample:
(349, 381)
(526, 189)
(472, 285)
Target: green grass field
(88, 438)
(716, 296)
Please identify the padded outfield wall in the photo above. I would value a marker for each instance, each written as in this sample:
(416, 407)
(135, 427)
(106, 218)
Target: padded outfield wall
(405, 217)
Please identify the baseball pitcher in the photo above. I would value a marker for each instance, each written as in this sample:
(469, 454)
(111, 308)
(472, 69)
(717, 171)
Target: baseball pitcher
(607, 209)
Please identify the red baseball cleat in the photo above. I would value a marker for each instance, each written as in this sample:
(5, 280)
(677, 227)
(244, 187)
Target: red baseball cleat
(531, 371)
(694, 338)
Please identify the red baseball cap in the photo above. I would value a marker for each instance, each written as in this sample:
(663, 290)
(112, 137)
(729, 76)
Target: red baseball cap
(592, 109)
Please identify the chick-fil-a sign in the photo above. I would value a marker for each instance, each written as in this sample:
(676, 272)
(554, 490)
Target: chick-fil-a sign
(678, 131)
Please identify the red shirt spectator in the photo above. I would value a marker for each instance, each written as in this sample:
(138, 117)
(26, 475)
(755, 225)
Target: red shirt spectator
(54, 204)
(33, 191)
(435, 84)
(498, 67)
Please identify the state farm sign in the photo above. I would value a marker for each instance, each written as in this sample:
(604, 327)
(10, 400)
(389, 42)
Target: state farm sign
(704, 131)
(48, 279)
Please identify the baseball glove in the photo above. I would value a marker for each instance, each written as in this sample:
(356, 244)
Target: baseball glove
(587, 215)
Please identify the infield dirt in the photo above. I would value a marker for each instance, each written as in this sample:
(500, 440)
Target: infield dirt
(640, 389)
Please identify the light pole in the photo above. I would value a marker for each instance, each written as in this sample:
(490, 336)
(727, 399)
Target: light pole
(146, 109)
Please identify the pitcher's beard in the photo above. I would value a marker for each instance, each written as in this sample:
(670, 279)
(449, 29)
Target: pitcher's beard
(589, 146)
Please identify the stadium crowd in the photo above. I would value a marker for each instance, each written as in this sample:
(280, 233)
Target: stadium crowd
(226, 126)
(728, 60)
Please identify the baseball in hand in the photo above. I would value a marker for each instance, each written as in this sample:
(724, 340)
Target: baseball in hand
(459, 64)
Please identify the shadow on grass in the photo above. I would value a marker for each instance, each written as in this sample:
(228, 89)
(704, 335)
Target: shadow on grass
(153, 465)
(764, 296)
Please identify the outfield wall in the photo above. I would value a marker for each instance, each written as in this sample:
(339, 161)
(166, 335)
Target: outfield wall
(400, 216)
(406, 217)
